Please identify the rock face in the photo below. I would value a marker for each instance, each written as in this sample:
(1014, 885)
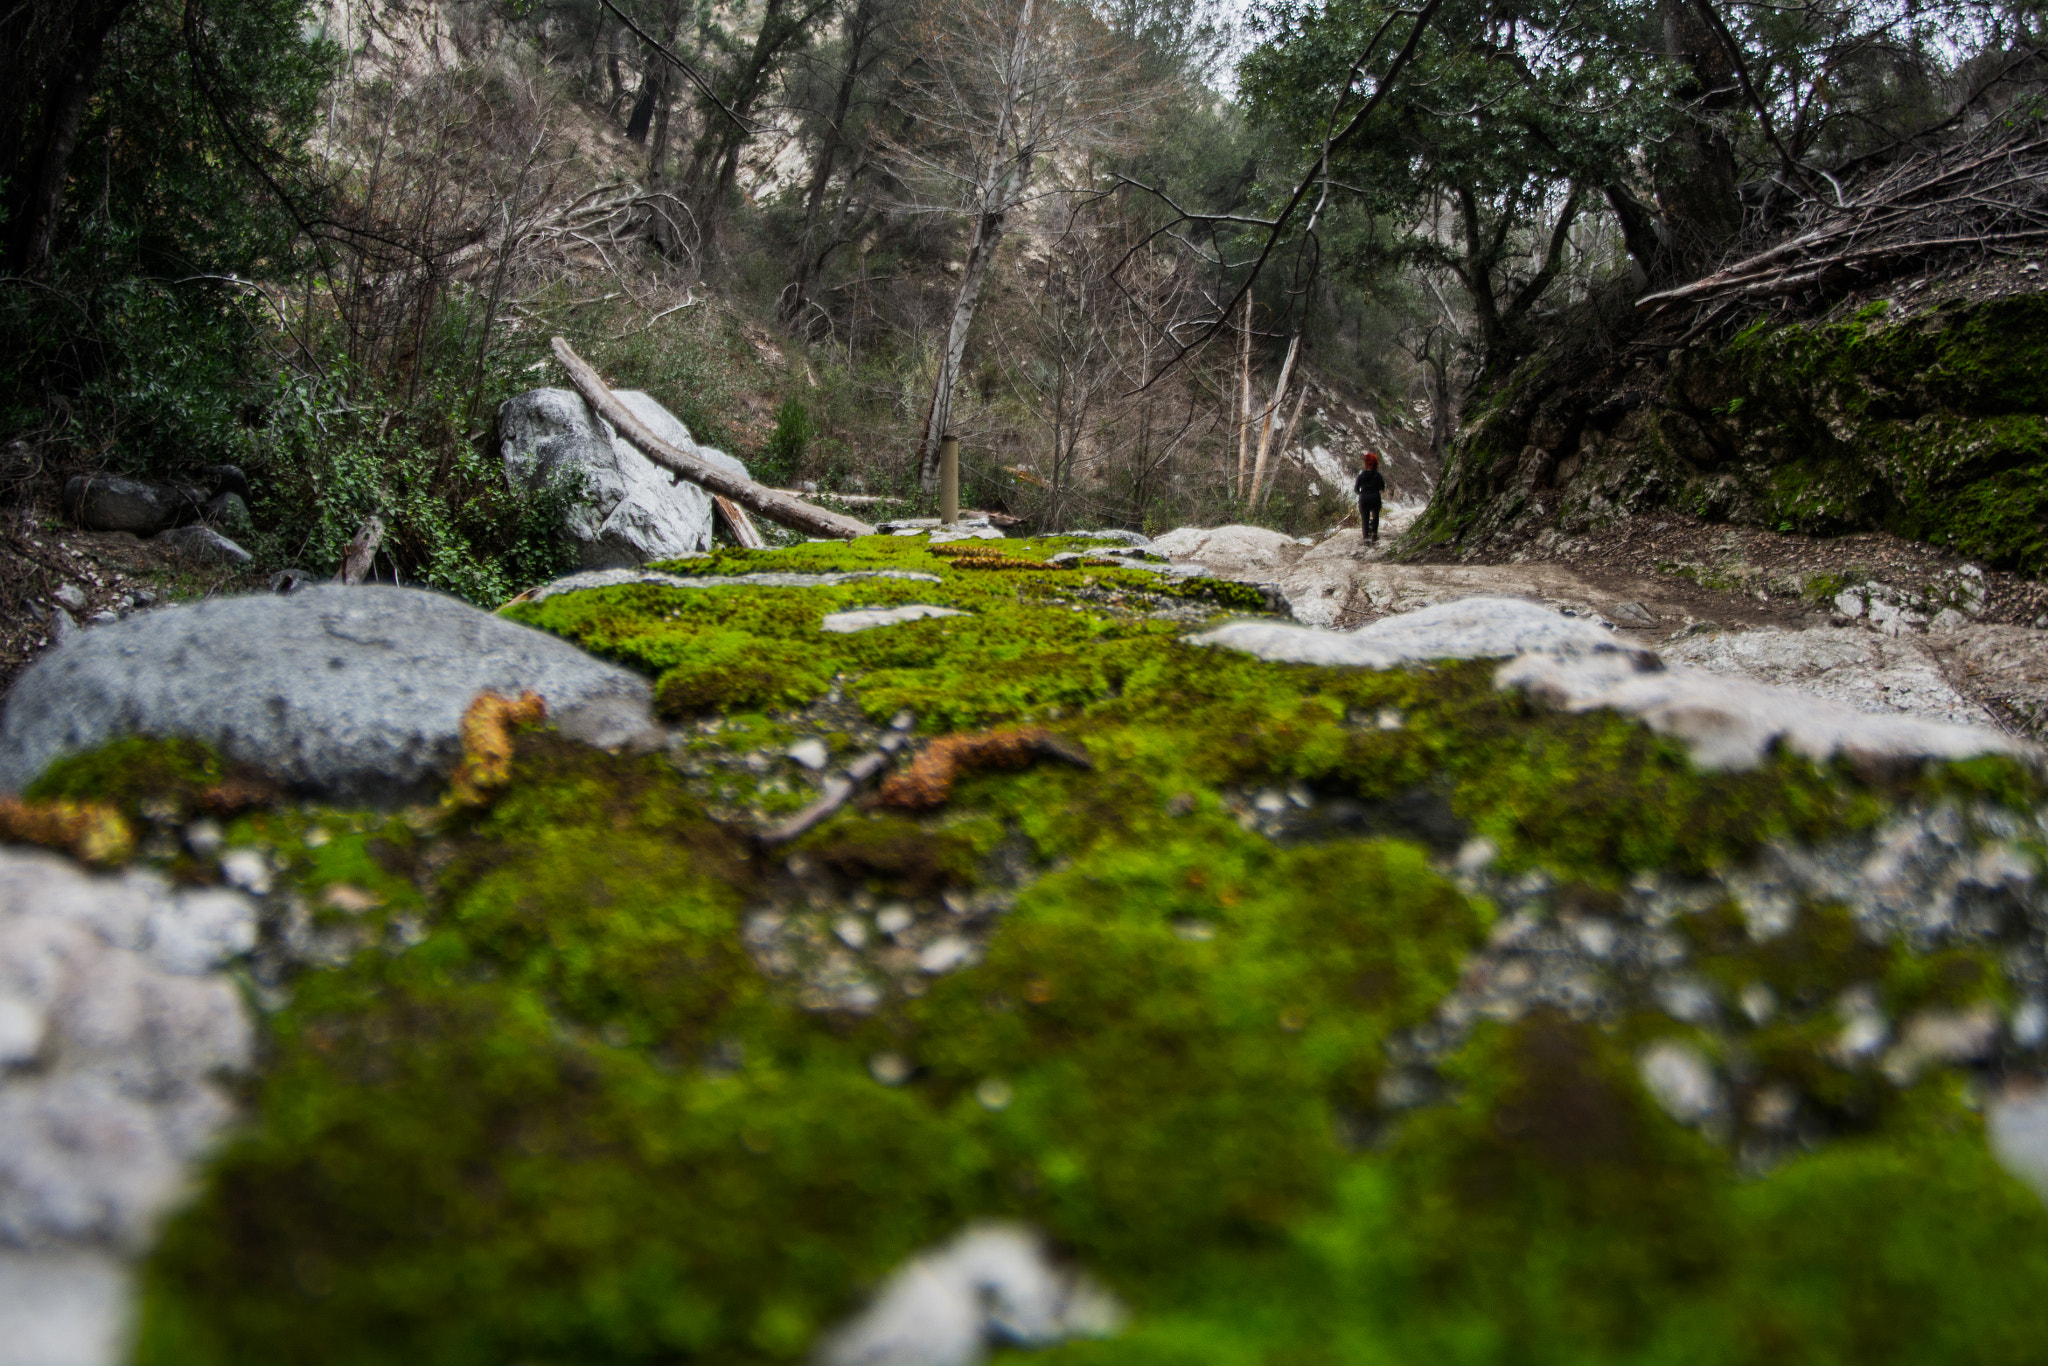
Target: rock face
(356, 694)
(631, 510)
(116, 1034)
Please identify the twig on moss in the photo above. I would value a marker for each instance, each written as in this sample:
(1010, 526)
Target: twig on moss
(839, 789)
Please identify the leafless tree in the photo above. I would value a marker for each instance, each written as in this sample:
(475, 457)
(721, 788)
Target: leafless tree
(1012, 98)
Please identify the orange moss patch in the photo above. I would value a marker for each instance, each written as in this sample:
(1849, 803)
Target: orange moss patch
(89, 831)
(928, 782)
(487, 744)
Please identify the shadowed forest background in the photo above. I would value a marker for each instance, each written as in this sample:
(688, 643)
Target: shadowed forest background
(1143, 256)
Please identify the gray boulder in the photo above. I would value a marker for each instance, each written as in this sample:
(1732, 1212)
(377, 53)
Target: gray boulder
(353, 694)
(229, 513)
(114, 502)
(203, 545)
(631, 510)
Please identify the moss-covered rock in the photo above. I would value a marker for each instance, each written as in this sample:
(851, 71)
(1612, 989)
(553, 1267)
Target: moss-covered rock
(1931, 424)
(594, 1070)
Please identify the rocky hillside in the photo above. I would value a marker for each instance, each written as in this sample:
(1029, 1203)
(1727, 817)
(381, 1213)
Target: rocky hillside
(1916, 410)
(890, 951)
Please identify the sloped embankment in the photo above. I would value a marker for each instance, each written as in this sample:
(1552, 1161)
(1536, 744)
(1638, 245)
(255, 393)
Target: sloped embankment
(1930, 421)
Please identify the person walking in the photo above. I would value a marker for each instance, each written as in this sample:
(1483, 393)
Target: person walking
(1370, 485)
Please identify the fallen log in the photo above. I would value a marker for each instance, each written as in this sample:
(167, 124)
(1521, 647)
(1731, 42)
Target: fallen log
(744, 533)
(776, 506)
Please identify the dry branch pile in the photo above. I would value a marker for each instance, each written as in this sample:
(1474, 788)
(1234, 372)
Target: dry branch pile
(1984, 193)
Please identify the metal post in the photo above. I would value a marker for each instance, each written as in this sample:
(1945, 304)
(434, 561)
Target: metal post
(949, 479)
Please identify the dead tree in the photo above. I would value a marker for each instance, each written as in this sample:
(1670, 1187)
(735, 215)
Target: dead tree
(1008, 88)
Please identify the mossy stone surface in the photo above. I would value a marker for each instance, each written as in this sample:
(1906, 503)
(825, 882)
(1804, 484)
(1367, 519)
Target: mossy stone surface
(1932, 425)
(560, 1106)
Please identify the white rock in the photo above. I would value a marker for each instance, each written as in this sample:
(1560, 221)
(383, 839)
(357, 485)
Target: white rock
(1470, 628)
(1864, 1027)
(810, 752)
(1849, 603)
(1679, 1078)
(2030, 1023)
(2016, 1122)
(101, 986)
(947, 952)
(62, 1308)
(1855, 668)
(1946, 620)
(1232, 551)
(994, 1284)
(632, 510)
(1942, 1036)
(867, 618)
(1729, 723)
(246, 868)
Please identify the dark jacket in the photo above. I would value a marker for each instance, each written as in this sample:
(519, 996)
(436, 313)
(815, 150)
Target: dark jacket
(1370, 484)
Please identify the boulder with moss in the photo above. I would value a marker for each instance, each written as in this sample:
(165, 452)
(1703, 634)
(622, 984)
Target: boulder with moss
(1380, 1005)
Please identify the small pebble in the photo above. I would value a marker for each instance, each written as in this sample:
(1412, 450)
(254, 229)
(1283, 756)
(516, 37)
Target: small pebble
(246, 868)
(994, 1093)
(945, 953)
(203, 838)
(890, 1069)
(2030, 1023)
(811, 753)
(894, 919)
(852, 931)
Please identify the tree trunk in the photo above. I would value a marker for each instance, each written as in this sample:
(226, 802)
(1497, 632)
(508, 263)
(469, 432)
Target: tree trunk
(808, 257)
(46, 168)
(1272, 411)
(988, 235)
(1244, 403)
(1696, 189)
(1003, 185)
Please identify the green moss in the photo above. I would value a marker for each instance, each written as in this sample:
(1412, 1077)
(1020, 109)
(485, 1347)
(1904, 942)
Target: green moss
(1551, 1220)
(566, 1118)
(133, 770)
(1931, 427)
